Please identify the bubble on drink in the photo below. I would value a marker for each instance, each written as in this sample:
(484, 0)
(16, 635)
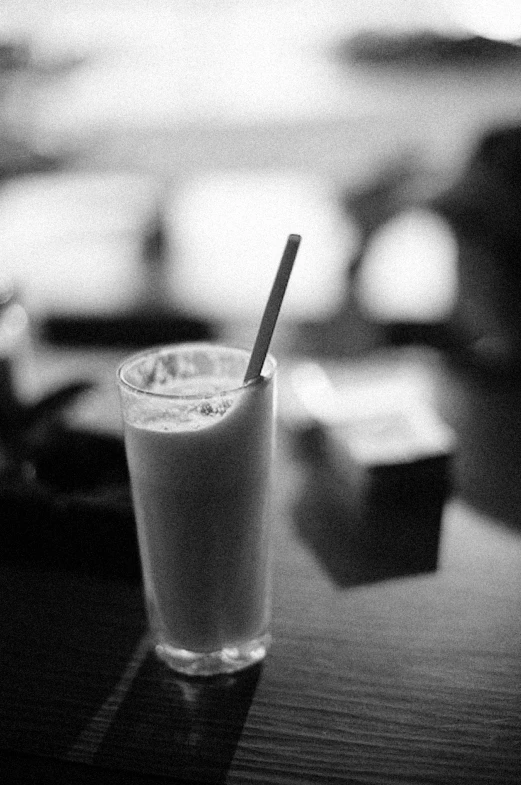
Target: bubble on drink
(173, 377)
(186, 418)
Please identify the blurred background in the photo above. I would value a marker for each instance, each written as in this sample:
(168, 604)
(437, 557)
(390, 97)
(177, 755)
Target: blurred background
(155, 155)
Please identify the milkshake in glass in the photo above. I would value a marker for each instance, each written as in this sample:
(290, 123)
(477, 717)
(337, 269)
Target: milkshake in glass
(199, 447)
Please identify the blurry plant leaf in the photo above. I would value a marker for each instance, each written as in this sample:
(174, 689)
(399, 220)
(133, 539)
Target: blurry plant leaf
(20, 424)
(52, 404)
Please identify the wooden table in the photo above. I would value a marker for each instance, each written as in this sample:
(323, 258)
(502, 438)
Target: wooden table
(410, 680)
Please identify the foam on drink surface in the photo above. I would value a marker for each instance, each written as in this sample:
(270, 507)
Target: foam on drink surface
(209, 406)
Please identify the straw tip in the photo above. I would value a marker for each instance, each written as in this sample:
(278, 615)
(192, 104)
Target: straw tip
(294, 238)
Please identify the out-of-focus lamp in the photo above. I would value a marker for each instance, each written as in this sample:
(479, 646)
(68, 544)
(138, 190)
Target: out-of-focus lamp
(409, 273)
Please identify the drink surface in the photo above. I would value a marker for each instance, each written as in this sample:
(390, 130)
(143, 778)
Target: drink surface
(208, 406)
(200, 471)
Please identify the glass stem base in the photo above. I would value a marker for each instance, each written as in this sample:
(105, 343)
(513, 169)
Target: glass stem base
(227, 660)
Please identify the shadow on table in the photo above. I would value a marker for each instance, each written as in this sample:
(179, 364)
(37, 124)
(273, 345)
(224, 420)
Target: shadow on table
(186, 728)
(387, 528)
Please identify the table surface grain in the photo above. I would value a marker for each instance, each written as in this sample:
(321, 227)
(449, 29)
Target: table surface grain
(410, 679)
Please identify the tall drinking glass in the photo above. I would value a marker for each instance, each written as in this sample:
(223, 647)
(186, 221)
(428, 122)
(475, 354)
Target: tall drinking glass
(199, 446)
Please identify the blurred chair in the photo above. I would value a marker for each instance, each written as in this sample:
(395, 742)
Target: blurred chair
(478, 317)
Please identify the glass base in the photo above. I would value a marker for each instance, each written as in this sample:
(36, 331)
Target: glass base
(227, 660)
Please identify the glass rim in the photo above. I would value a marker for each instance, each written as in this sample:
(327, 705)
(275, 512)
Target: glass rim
(182, 346)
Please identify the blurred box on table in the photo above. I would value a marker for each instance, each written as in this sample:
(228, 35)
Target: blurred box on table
(376, 466)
